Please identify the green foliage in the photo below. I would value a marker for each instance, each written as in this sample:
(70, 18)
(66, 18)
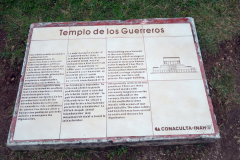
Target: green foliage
(223, 82)
(200, 146)
(216, 20)
(5, 55)
(117, 151)
(81, 153)
(189, 3)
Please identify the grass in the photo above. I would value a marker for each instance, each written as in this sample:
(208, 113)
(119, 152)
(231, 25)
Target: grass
(5, 55)
(224, 83)
(216, 21)
(117, 152)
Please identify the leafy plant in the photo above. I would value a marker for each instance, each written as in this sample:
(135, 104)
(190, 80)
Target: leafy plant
(5, 55)
(118, 151)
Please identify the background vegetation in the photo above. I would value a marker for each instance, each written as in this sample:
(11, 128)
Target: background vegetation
(216, 20)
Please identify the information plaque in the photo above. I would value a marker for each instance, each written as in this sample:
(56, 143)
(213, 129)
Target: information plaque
(106, 83)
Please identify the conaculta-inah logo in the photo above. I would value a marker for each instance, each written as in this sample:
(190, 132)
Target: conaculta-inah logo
(179, 128)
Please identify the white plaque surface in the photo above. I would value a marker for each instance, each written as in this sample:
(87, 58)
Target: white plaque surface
(109, 81)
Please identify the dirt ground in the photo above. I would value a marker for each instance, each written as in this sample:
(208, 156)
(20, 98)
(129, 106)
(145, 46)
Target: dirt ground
(227, 114)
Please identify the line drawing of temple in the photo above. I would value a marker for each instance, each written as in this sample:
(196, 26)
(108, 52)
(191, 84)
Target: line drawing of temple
(173, 65)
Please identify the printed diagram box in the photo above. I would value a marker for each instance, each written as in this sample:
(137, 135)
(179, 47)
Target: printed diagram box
(106, 83)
